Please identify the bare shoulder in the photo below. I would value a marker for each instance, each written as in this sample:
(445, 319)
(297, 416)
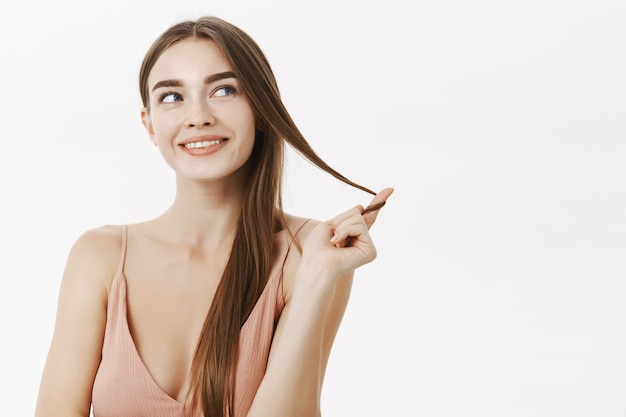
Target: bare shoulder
(300, 228)
(95, 256)
(100, 244)
(101, 238)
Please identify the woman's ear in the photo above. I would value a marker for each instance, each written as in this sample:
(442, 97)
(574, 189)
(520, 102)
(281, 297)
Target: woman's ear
(147, 123)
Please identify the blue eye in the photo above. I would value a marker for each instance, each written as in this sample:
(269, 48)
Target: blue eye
(170, 97)
(227, 90)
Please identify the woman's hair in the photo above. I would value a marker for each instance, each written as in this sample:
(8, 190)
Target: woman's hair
(212, 375)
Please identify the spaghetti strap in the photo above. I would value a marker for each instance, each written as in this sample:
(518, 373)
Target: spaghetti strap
(291, 240)
(295, 232)
(300, 226)
(124, 238)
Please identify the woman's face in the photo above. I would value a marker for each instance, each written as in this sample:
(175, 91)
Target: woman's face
(198, 115)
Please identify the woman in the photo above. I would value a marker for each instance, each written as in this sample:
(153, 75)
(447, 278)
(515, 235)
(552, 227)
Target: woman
(224, 305)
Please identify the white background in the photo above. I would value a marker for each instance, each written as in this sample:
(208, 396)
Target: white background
(500, 286)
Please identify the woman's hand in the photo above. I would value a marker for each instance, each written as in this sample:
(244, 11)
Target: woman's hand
(340, 245)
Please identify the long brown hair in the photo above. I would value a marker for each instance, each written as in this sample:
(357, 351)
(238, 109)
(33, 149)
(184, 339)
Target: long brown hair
(212, 375)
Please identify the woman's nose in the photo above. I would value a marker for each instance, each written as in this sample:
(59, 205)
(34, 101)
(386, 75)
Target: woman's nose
(200, 114)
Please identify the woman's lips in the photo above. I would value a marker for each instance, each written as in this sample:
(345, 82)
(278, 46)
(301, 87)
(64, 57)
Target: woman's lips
(203, 145)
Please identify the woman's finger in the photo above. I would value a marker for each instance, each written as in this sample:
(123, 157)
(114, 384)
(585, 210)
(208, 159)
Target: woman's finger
(371, 212)
(353, 212)
(348, 230)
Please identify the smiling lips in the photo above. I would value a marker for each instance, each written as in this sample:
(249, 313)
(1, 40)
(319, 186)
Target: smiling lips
(202, 144)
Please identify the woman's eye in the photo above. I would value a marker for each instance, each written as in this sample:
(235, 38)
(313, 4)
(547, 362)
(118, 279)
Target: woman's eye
(170, 98)
(227, 90)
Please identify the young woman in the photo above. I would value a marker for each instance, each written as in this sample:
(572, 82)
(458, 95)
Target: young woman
(224, 305)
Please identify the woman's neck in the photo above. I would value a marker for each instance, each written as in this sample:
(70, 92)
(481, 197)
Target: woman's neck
(203, 214)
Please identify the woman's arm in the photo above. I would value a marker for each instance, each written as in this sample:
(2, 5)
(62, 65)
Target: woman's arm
(75, 351)
(313, 311)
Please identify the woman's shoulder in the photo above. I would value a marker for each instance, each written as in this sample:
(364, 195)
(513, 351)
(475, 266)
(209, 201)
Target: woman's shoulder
(95, 254)
(101, 240)
(299, 228)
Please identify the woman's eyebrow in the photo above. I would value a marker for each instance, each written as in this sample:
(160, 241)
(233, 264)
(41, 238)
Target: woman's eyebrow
(208, 80)
(167, 83)
(219, 76)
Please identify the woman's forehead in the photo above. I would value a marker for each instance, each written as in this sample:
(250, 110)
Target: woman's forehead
(189, 58)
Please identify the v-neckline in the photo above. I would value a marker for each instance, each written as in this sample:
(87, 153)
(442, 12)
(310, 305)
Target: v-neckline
(135, 350)
(126, 327)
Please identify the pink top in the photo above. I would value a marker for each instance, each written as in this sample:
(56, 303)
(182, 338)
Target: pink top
(123, 385)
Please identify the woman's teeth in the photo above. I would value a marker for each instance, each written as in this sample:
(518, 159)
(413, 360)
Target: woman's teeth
(203, 144)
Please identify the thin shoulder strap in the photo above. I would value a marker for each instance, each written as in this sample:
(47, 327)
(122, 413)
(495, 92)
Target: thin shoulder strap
(300, 226)
(122, 258)
(292, 237)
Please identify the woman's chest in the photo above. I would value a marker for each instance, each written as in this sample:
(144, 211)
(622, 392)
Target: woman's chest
(167, 303)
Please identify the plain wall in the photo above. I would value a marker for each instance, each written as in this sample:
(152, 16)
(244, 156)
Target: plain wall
(500, 283)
